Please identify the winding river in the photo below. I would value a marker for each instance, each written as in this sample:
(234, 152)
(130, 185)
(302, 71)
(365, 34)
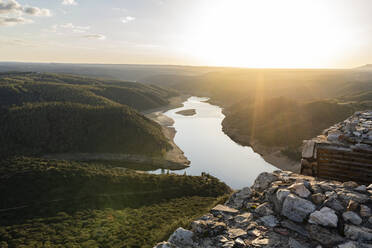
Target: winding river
(210, 150)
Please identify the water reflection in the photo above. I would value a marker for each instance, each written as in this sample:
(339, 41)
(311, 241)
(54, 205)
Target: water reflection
(210, 150)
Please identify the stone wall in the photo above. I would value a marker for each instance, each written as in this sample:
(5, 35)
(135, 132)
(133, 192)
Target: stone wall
(342, 152)
(283, 209)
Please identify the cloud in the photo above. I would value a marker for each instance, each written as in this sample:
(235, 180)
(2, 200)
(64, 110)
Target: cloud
(11, 21)
(69, 2)
(128, 19)
(75, 29)
(12, 6)
(95, 36)
(35, 11)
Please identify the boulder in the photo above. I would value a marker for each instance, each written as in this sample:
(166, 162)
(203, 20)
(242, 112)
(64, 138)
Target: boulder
(350, 184)
(182, 238)
(263, 181)
(352, 217)
(269, 221)
(358, 233)
(318, 198)
(300, 190)
(238, 198)
(324, 217)
(308, 149)
(361, 188)
(264, 209)
(335, 204)
(365, 211)
(296, 208)
(296, 244)
(324, 236)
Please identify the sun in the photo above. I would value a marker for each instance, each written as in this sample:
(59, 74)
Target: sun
(267, 33)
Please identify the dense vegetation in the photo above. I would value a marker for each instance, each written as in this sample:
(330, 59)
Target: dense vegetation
(68, 127)
(51, 113)
(284, 122)
(18, 88)
(50, 203)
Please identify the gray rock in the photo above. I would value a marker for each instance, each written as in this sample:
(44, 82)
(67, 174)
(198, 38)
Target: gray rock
(238, 198)
(361, 188)
(318, 198)
(370, 220)
(352, 217)
(358, 233)
(308, 149)
(324, 236)
(263, 181)
(358, 197)
(294, 227)
(350, 184)
(264, 209)
(324, 217)
(334, 204)
(243, 220)
(365, 211)
(349, 244)
(296, 208)
(222, 209)
(269, 220)
(165, 245)
(296, 244)
(300, 190)
(281, 194)
(182, 238)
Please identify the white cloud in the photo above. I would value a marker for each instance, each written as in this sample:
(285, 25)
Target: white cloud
(75, 29)
(10, 6)
(11, 21)
(128, 19)
(69, 2)
(35, 11)
(95, 36)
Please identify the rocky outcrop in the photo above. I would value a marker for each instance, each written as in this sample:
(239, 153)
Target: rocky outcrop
(283, 209)
(342, 152)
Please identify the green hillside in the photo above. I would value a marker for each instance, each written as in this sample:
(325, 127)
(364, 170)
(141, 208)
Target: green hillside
(44, 128)
(26, 87)
(282, 122)
(67, 204)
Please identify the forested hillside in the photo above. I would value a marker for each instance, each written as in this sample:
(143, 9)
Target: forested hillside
(44, 128)
(17, 88)
(67, 204)
(49, 113)
(282, 122)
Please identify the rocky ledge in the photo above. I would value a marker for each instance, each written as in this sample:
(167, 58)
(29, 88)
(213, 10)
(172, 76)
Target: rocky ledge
(284, 209)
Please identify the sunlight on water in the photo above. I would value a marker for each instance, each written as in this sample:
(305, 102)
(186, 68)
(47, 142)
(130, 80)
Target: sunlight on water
(210, 150)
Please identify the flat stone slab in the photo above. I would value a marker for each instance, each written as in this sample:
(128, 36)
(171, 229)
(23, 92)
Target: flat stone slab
(223, 209)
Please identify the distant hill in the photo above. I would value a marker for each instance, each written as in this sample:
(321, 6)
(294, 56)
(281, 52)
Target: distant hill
(48, 128)
(20, 87)
(52, 113)
(367, 67)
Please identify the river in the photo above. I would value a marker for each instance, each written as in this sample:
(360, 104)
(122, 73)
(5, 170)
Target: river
(210, 150)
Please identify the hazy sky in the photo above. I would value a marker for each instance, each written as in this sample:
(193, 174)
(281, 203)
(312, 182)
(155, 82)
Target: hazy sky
(246, 33)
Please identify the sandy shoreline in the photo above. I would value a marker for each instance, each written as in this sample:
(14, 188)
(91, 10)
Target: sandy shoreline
(157, 115)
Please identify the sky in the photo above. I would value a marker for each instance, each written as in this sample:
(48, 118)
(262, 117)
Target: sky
(236, 33)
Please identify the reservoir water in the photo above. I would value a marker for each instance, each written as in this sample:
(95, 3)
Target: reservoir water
(210, 150)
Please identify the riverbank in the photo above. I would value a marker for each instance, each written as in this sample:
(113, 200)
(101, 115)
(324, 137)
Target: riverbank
(175, 154)
(271, 155)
